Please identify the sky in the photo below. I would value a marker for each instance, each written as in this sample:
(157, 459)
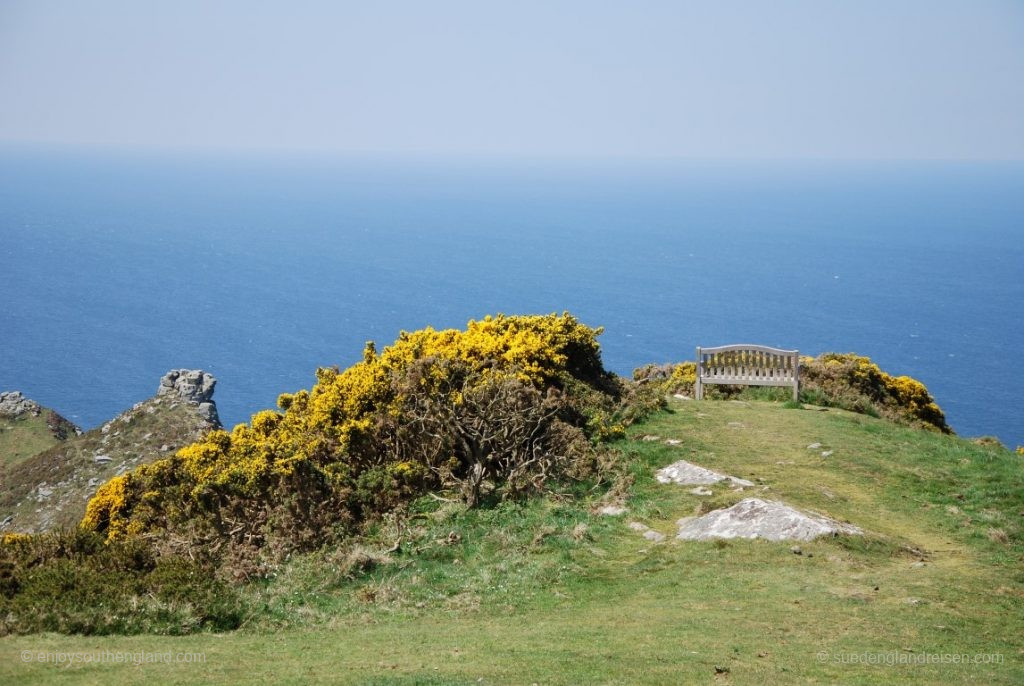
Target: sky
(795, 79)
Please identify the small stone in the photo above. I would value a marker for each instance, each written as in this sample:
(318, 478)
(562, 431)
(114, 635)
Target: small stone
(917, 565)
(673, 441)
(638, 526)
(736, 425)
(655, 536)
(700, 490)
(827, 453)
(650, 437)
(796, 550)
(102, 459)
(814, 446)
(680, 396)
(612, 510)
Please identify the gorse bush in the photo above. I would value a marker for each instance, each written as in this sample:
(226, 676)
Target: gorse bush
(75, 582)
(856, 383)
(492, 411)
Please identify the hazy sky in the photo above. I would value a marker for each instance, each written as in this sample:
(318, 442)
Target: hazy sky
(814, 78)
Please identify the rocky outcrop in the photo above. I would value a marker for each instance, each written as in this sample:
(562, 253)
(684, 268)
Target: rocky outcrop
(193, 386)
(13, 403)
(50, 489)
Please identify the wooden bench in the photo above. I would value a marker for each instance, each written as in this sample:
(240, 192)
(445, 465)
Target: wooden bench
(747, 365)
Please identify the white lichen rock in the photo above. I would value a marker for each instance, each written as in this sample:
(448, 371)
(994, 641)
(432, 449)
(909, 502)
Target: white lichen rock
(688, 474)
(767, 519)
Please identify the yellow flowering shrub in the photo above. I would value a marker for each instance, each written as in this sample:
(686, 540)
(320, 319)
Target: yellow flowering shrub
(855, 382)
(357, 438)
(14, 538)
(108, 509)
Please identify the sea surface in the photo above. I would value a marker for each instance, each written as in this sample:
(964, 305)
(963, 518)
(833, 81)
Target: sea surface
(115, 268)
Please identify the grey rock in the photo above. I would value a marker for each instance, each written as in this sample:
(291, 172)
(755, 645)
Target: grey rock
(102, 459)
(688, 474)
(827, 453)
(767, 519)
(194, 386)
(673, 441)
(612, 510)
(7, 520)
(700, 490)
(814, 446)
(648, 533)
(650, 437)
(208, 411)
(13, 403)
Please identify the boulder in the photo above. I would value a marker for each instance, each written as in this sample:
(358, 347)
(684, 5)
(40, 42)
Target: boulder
(688, 474)
(767, 519)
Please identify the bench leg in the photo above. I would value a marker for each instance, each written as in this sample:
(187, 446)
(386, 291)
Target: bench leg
(796, 393)
(699, 390)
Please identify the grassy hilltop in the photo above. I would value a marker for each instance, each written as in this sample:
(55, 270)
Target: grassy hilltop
(461, 580)
(30, 431)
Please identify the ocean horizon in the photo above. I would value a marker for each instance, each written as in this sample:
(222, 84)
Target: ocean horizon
(259, 269)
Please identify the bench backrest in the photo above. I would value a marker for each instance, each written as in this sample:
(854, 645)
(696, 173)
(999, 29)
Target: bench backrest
(747, 365)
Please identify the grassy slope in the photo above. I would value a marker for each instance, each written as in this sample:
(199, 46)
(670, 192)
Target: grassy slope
(526, 596)
(23, 436)
(153, 429)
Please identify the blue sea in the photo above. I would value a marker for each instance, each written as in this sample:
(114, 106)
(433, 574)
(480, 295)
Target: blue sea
(115, 268)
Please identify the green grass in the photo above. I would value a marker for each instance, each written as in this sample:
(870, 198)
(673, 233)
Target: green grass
(22, 437)
(547, 592)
